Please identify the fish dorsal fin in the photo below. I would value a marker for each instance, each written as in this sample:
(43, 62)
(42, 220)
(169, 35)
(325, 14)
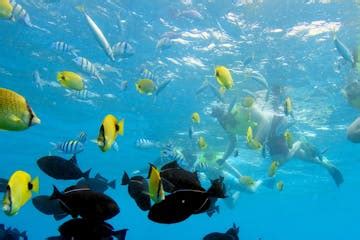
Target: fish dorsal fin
(73, 160)
(170, 165)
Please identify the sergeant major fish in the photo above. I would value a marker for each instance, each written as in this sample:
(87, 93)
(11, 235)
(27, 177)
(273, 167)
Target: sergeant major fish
(88, 67)
(123, 50)
(19, 13)
(64, 47)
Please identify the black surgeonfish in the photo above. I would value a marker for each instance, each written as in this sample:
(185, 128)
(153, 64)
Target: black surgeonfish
(97, 184)
(86, 203)
(60, 168)
(181, 204)
(81, 229)
(138, 189)
(11, 233)
(176, 178)
(231, 234)
(49, 206)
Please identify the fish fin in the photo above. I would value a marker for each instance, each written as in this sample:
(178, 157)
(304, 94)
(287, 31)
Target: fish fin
(59, 217)
(80, 8)
(120, 127)
(115, 146)
(100, 79)
(35, 185)
(23, 235)
(73, 160)
(94, 141)
(217, 209)
(150, 170)
(120, 235)
(221, 161)
(86, 174)
(14, 118)
(56, 193)
(112, 184)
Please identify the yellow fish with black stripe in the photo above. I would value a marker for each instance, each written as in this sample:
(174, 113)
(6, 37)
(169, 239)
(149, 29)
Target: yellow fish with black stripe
(156, 190)
(15, 112)
(6, 9)
(195, 117)
(70, 80)
(224, 78)
(109, 130)
(251, 141)
(19, 191)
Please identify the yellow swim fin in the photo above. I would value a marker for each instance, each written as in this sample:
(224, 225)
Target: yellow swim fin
(35, 185)
(120, 125)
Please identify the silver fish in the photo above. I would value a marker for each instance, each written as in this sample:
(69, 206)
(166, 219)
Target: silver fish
(69, 147)
(88, 67)
(123, 50)
(20, 14)
(144, 143)
(100, 37)
(64, 47)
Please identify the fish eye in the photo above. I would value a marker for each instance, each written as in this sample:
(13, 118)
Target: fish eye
(8, 188)
(217, 73)
(63, 77)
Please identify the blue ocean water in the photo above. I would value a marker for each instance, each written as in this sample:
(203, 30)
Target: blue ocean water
(292, 45)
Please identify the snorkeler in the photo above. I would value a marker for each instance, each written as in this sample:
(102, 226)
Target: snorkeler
(269, 129)
(353, 131)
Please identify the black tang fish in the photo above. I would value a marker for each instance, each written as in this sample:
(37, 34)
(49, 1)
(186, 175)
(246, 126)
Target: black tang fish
(86, 203)
(138, 189)
(60, 168)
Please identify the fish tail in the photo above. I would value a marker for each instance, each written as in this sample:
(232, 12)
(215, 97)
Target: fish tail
(56, 193)
(112, 184)
(55, 145)
(120, 235)
(86, 174)
(125, 179)
(23, 235)
(121, 127)
(99, 78)
(35, 184)
(217, 189)
(59, 217)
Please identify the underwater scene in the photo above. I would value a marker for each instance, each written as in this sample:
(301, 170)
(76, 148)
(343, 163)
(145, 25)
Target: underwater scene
(179, 119)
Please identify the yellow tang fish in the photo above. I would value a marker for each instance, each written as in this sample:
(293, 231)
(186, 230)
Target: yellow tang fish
(273, 168)
(156, 190)
(6, 9)
(288, 107)
(109, 130)
(15, 113)
(195, 117)
(251, 142)
(18, 192)
(71, 80)
(223, 77)
(280, 186)
(202, 143)
(145, 86)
